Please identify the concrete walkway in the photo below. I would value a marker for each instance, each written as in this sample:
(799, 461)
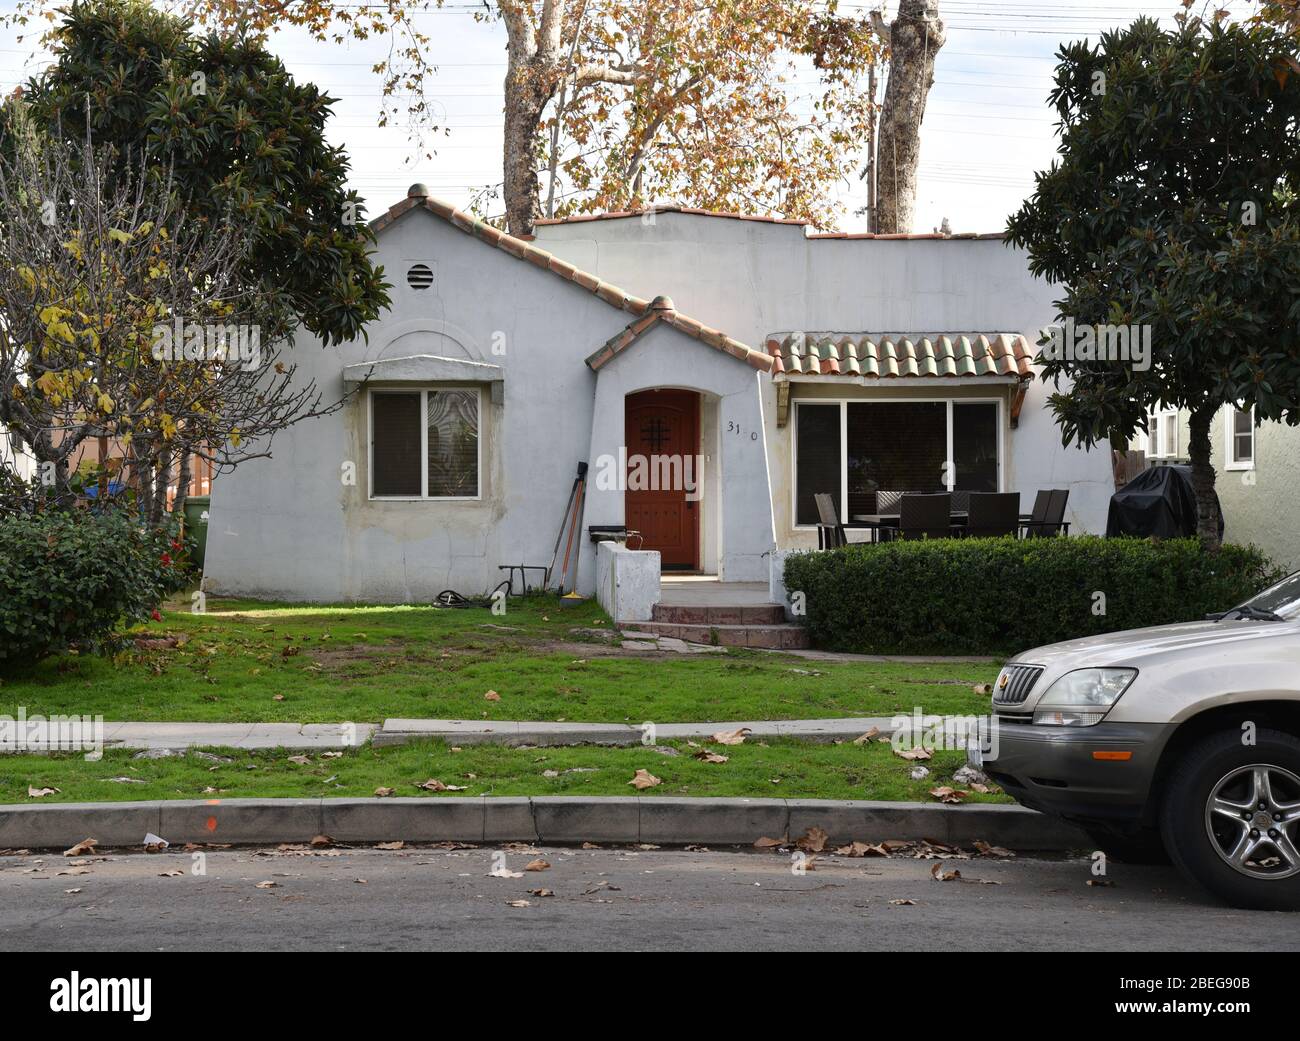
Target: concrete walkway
(222, 735)
(300, 736)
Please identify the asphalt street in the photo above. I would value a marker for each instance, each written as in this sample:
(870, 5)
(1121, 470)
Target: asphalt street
(606, 899)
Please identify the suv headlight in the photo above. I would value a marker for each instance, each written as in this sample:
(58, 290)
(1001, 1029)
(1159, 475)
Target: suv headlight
(1081, 698)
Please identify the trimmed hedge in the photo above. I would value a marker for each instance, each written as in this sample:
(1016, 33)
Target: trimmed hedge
(1001, 596)
(70, 577)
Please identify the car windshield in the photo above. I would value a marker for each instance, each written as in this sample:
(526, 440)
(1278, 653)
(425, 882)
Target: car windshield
(1282, 599)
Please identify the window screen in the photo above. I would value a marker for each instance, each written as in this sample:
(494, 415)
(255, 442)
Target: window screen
(895, 446)
(453, 443)
(817, 467)
(975, 446)
(395, 448)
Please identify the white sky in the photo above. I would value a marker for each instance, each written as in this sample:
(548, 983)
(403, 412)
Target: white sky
(987, 126)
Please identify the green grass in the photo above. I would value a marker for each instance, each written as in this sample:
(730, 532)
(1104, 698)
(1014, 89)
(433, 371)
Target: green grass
(247, 661)
(771, 769)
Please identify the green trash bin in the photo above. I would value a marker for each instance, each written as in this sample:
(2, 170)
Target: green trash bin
(196, 526)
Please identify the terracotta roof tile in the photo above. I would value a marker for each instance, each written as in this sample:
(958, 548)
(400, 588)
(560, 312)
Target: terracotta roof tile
(900, 355)
(648, 313)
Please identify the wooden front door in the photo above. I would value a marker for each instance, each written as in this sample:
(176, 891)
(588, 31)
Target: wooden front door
(662, 432)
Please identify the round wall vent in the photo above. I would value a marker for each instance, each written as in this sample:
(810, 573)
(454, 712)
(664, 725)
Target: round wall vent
(419, 276)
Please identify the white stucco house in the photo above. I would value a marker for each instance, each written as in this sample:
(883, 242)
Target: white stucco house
(772, 362)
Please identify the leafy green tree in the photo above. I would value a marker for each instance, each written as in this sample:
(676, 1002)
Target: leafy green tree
(239, 138)
(1171, 205)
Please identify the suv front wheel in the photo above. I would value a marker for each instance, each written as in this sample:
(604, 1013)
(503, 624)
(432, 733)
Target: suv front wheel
(1231, 818)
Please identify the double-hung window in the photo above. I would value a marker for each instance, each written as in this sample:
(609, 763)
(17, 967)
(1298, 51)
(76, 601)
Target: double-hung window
(1162, 434)
(1240, 439)
(425, 444)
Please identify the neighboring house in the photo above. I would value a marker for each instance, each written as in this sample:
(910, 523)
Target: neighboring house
(755, 363)
(1257, 475)
(15, 457)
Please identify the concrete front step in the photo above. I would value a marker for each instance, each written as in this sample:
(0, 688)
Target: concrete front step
(750, 614)
(769, 637)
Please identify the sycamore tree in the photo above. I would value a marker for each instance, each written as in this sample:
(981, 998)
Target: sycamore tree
(122, 318)
(1171, 205)
(742, 105)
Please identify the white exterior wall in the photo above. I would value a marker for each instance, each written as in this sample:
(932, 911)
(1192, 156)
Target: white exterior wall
(289, 528)
(751, 279)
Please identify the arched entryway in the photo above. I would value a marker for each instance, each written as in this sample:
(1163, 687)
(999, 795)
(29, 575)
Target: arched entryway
(664, 474)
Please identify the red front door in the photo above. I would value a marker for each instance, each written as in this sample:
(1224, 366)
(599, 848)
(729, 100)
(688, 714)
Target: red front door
(662, 432)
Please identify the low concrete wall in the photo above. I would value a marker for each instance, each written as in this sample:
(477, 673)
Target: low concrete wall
(776, 591)
(627, 581)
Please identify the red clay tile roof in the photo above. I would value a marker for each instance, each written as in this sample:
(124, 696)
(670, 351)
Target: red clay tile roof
(892, 356)
(662, 310)
(648, 313)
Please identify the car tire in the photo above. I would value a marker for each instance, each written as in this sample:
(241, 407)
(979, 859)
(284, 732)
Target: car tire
(1221, 800)
(1143, 847)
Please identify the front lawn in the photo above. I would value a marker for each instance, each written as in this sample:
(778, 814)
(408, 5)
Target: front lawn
(246, 661)
(767, 769)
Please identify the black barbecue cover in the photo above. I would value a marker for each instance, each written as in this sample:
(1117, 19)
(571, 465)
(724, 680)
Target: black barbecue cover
(1158, 502)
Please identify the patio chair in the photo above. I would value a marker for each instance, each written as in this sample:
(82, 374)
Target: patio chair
(887, 502)
(924, 516)
(830, 532)
(961, 501)
(1048, 518)
(993, 515)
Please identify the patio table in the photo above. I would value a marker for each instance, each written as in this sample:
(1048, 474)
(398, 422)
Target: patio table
(876, 521)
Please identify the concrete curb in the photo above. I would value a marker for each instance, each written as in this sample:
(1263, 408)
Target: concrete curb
(548, 819)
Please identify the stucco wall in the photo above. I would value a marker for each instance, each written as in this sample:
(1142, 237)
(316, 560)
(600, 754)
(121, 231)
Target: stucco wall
(290, 528)
(735, 454)
(752, 278)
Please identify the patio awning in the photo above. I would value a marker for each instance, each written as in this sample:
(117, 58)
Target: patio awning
(999, 356)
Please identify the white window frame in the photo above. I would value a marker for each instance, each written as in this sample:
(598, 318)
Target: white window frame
(1231, 462)
(844, 443)
(1156, 421)
(423, 390)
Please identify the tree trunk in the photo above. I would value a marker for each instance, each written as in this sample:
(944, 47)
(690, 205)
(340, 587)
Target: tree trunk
(182, 484)
(914, 41)
(1198, 449)
(523, 117)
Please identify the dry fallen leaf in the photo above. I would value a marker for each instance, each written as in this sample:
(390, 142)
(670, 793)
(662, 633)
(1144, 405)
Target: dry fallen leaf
(767, 843)
(813, 841)
(537, 865)
(644, 779)
(399, 844)
(322, 840)
(913, 754)
(75, 871)
(384, 793)
(862, 849)
(81, 848)
(904, 902)
(268, 884)
(940, 874)
(301, 760)
(518, 903)
(992, 851)
(171, 874)
(435, 785)
(945, 794)
(277, 697)
(864, 738)
(491, 695)
(541, 892)
(984, 689)
(72, 891)
(705, 756)
(40, 793)
(730, 737)
(590, 845)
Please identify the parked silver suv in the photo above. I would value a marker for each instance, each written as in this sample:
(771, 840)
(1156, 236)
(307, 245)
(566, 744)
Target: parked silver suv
(1178, 739)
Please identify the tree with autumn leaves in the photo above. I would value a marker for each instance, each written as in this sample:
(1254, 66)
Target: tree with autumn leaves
(151, 177)
(744, 105)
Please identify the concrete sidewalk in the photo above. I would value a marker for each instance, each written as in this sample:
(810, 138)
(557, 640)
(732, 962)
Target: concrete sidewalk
(221, 735)
(507, 732)
(307, 736)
